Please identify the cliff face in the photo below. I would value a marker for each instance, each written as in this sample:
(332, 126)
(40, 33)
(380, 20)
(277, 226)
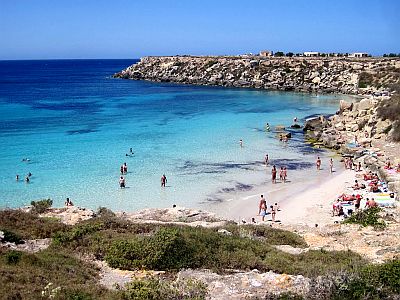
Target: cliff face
(327, 75)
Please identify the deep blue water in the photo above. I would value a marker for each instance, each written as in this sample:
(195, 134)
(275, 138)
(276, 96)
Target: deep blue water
(75, 123)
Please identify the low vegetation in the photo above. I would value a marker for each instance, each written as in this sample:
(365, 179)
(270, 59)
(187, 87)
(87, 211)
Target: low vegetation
(390, 110)
(41, 206)
(367, 217)
(28, 225)
(57, 271)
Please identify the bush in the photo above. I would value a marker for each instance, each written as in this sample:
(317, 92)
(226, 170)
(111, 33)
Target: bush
(367, 217)
(390, 110)
(166, 250)
(29, 225)
(11, 237)
(27, 275)
(365, 79)
(13, 257)
(155, 289)
(371, 282)
(41, 206)
(76, 233)
(103, 212)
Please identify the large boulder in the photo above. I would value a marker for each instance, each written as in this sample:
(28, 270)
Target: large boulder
(344, 105)
(365, 104)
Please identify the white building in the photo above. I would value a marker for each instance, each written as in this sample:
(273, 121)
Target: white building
(358, 54)
(311, 54)
(266, 53)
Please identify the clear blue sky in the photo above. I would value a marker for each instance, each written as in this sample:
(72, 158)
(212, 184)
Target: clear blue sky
(36, 29)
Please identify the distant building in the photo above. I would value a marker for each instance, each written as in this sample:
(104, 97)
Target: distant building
(358, 54)
(311, 54)
(266, 53)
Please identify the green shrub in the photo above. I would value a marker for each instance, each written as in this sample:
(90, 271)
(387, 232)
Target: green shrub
(371, 282)
(367, 217)
(155, 289)
(41, 206)
(365, 79)
(76, 233)
(104, 212)
(12, 237)
(29, 225)
(165, 250)
(390, 110)
(13, 257)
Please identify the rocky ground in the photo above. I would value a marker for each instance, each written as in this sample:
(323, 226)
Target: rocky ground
(326, 75)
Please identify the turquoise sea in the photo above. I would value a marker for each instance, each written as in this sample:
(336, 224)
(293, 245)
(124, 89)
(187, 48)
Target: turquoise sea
(75, 124)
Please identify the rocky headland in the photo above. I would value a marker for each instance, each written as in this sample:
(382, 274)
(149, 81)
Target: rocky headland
(303, 74)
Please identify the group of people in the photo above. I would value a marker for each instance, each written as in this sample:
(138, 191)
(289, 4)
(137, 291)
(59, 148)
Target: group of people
(263, 209)
(27, 177)
(282, 174)
(124, 171)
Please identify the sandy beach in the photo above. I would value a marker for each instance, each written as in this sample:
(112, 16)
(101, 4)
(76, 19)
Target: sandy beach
(305, 202)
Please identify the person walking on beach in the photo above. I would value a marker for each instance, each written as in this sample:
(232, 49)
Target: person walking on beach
(122, 182)
(262, 208)
(273, 212)
(318, 163)
(331, 165)
(163, 180)
(266, 159)
(284, 175)
(273, 172)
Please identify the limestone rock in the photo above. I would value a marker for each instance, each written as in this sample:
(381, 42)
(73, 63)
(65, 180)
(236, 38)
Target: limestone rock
(364, 104)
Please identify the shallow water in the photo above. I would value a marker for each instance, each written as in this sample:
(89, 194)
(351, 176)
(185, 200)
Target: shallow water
(75, 124)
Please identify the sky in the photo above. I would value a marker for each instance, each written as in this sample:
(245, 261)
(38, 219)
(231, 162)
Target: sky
(56, 29)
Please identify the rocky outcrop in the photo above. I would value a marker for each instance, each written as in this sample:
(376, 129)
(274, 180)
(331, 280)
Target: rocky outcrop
(70, 215)
(359, 130)
(247, 285)
(175, 215)
(328, 75)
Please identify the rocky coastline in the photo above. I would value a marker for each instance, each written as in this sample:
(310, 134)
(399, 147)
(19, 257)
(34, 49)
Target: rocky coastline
(301, 74)
(360, 131)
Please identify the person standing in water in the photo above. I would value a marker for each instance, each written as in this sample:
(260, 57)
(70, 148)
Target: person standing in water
(125, 168)
(241, 143)
(122, 182)
(17, 177)
(331, 165)
(273, 172)
(318, 163)
(163, 180)
(266, 159)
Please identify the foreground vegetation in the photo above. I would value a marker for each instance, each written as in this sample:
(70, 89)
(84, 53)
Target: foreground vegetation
(59, 272)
